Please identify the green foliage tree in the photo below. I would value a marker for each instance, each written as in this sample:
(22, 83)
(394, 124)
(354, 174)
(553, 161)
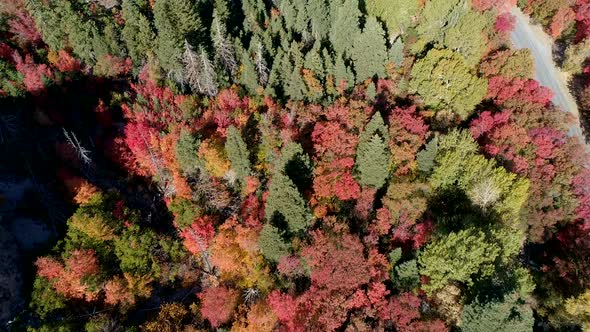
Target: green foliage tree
(237, 152)
(372, 156)
(44, 299)
(134, 249)
(176, 21)
(345, 25)
(186, 150)
(435, 19)
(284, 200)
(137, 33)
(509, 314)
(467, 36)
(398, 15)
(369, 52)
(425, 158)
(457, 256)
(271, 243)
(445, 82)
(407, 276)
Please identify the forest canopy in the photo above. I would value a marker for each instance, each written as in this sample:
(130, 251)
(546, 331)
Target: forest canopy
(294, 165)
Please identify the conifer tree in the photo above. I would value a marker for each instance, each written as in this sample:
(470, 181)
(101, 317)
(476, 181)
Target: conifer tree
(272, 245)
(369, 52)
(237, 153)
(284, 200)
(509, 314)
(372, 156)
(248, 74)
(176, 21)
(342, 73)
(397, 15)
(345, 26)
(186, 152)
(319, 16)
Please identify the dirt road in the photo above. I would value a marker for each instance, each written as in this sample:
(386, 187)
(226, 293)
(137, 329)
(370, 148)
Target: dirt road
(527, 35)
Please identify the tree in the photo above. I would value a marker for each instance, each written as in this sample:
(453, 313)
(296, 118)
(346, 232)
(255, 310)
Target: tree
(436, 18)
(237, 153)
(137, 32)
(199, 71)
(176, 21)
(186, 150)
(466, 37)
(445, 82)
(285, 201)
(457, 257)
(509, 314)
(218, 304)
(345, 26)
(169, 319)
(508, 63)
(369, 53)
(224, 50)
(271, 243)
(398, 15)
(372, 156)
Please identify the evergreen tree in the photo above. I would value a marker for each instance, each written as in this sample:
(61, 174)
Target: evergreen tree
(369, 52)
(398, 15)
(137, 32)
(237, 153)
(248, 74)
(345, 26)
(284, 202)
(425, 158)
(186, 152)
(176, 21)
(509, 314)
(372, 156)
(271, 244)
(407, 276)
(319, 16)
(342, 73)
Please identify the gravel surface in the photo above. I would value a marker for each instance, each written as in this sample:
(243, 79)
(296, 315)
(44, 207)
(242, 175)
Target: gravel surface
(527, 35)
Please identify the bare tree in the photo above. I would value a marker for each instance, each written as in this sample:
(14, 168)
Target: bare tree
(192, 67)
(198, 71)
(208, 75)
(261, 67)
(485, 193)
(224, 51)
(81, 151)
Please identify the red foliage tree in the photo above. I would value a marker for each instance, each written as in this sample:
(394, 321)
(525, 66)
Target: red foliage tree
(63, 61)
(505, 23)
(335, 148)
(218, 304)
(23, 27)
(502, 89)
(404, 311)
(32, 72)
(561, 21)
(407, 133)
(199, 234)
(67, 279)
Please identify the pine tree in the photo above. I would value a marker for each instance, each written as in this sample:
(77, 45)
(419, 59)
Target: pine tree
(425, 158)
(237, 153)
(345, 26)
(369, 52)
(372, 156)
(271, 243)
(319, 16)
(509, 314)
(285, 202)
(342, 73)
(248, 74)
(186, 152)
(176, 21)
